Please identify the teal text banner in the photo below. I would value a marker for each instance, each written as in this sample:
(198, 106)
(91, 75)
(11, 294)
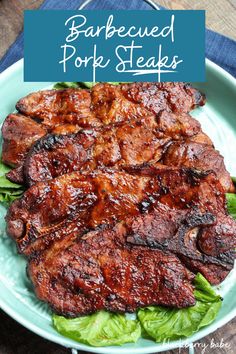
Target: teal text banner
(114, 45)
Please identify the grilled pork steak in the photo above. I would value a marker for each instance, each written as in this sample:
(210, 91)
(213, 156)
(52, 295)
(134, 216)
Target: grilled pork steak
(134, 142)
(106, 103)
(54, 108)
(69, 110)
(79, 202)
(101, 271)
(180, 232)
(48, 209)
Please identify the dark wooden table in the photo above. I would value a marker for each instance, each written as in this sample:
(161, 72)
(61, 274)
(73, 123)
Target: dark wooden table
(15, 339)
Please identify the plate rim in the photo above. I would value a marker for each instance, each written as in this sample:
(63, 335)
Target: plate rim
(156, 347)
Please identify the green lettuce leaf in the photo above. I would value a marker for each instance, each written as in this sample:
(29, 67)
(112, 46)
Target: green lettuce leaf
(87, 84)
(162, 323)
(233, 179)
(61, 85)
(8, 191)
(231, 204)
(7, 195)
(100, 329)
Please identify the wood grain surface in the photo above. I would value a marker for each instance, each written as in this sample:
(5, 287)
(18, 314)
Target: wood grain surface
(220, 14)
(15, 339)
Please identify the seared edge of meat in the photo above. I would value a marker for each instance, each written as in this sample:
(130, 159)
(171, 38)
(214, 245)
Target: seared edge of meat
(101, 271)
(84, 201)
(168, 96)
(69, 110)
(200, 156)
(19, 133)
(133, 142)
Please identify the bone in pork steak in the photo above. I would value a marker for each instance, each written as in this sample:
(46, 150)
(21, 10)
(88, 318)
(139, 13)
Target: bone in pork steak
(106, 103)
(69, 110)
(127, 143)
(130, 236)
(49, 210)
(100, 270)
(180, 232)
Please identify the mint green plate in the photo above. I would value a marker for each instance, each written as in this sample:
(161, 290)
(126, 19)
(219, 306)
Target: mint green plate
(16, 294)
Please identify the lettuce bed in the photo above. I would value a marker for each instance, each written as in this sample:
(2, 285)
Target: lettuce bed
(155, 322)
(8, 191)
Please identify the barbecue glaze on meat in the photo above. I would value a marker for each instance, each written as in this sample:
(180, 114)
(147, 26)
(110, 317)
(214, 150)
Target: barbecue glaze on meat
(109, 267)
(199, 156)
(168, 96)
(19, 133)
(67, 111)
(171, 139)
(100, 270)
(80, 202)
(130, 143)
(106, 103)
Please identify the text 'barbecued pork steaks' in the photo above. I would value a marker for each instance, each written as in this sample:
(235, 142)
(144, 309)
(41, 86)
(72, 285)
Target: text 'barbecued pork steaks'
(127, 143)
(100, 270)
(69, 110)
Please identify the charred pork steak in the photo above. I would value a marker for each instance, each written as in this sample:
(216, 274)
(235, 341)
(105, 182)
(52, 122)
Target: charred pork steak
(100, 270)
(76, 202)
(127, 143)
(67, 111)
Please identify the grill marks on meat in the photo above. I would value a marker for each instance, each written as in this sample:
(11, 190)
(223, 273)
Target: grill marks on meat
(67, 111)
(108, 103)
(200, 156)
(106, 269)
(59, 107)
(47, 210)
(171, 96)
(130, 143)
(189, 208)
(179, 232)
(101, 270)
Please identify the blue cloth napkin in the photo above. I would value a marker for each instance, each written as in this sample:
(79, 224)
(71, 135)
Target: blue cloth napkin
(219, 49)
